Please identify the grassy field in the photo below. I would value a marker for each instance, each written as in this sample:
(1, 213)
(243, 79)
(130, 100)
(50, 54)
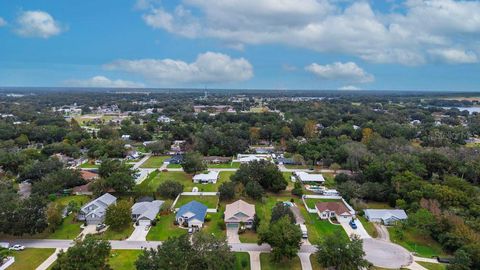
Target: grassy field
(315, 264)
(110, 234)
(88, 165)
(151, 183)
(209, 201)
(123, 259)
(369, 227)
(242, 261)
(154, 162)
(414, 241)
(30, 258)
(317, 228)
(68, 230)
(164, 229)
(174, 166)
(212, 227)
(267, 264)
(248, 237)
(433, 266)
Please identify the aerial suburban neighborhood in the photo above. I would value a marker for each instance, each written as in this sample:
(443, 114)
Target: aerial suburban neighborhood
(240, 135)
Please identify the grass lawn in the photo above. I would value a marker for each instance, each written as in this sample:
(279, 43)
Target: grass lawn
(415, 241)
(152, 182)
(369, 227)
(209, 201)
(317, 228)
(110, 234)
(30, 258)
(154, 162)
(68, 230)
(88, 165)
(264, 207)
(231, 165)
(123, 259)
(164, 229)
(212, 227)
(312, 201)
(248, 236)
(315, 264)
(433, 266)
(242, 261)
(267, 264)
(80, 199)
(174, 166)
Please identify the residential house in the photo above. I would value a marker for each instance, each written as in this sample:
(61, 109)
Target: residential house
(309, 177)
(338, 209)
(176, 159)
(216, 159)
(164, 119)
(246, 158)
(385, 216)
(206, 178)
(145, 212)
(238, 212)
(191, 215)
(94, 212)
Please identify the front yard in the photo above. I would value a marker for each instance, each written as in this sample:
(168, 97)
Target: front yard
(110, 234)
(242, 261)
(209, 201)
(30, 258)
(230, 165)
(164, 229)
(267, 264)
(123, 259)
(69, 229)
(154, 162)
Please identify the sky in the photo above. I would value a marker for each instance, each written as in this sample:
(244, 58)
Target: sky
(260, 44)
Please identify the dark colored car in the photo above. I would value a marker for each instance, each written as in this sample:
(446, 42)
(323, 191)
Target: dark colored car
(352, 224)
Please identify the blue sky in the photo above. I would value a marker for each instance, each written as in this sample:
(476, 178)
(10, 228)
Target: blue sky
(271, 44)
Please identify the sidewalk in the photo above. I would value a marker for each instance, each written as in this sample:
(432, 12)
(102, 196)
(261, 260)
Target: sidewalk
(49, 261)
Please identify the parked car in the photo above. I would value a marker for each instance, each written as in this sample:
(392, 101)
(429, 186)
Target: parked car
(17, 247)
(444, 260)
(352, 224)
(100, 227)
(190, 230)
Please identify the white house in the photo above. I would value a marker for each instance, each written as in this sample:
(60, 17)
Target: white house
(206, 178)
(94, 212)
(385, 216)
(309, 177)
(338, 209)
(238, 212)
(246, 158)
(164, 119)
(145, 212)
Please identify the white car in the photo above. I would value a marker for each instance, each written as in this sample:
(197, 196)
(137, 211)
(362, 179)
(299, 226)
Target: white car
(17, 247)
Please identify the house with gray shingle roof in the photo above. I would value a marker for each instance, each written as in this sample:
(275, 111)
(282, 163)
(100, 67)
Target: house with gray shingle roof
(146, 212)
(191, 214)
(385, 216)
(94, 212)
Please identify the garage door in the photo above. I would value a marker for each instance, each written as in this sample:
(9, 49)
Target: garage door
(232, 225)
(144, 222)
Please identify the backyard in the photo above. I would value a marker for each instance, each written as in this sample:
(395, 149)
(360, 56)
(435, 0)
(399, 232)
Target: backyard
(154, 162)
(209, 201)
(230, 165)
(30, 258)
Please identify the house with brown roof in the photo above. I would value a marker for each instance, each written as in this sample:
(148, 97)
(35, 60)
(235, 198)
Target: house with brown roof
(88, 175)
(238, 212)
(338, 209)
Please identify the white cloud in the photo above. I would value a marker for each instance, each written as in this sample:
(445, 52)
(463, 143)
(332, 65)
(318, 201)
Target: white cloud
(455, 56)
(349, 72)
(402, 35)
(102, 81)
(209, 67)
(37, 24)
(2, 22)
(349, 88)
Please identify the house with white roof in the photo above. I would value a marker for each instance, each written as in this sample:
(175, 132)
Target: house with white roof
(246, 158)
(145, 212)
(94, 212)
(309, 177)
(385, 216)
(238, 212)
(206, 178)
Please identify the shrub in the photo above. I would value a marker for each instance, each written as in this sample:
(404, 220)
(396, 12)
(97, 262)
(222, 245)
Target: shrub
(221, 225)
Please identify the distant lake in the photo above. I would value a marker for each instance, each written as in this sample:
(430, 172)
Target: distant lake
(469, 109)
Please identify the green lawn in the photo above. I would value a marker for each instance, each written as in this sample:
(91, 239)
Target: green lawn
(212, 227)
(242, 261)
(88, 165)
(248, 236)
(267, 264)
(312, 201)
(231, 165)
(422, 245)
(209, 201)
(30, 258)
(68, 230)
(433, 266)
(315, 264)
(369, 227)
(111, 234)
(318, 228)
(174, 166)
(154, 162)
(123, 259)
(80, 199)
(152, 182)
(164, 229)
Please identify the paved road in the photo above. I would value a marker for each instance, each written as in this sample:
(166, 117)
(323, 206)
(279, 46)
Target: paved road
(382, 232)
(305, 261)
(359, 231)
(385, 254)
(141, 161)
(254, 260)
(139, 233)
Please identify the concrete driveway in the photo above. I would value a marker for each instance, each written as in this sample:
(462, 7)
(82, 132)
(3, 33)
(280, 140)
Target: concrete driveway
(360, 230)
(299, 219)
(139, 234)
(232, 235)
(385, 254)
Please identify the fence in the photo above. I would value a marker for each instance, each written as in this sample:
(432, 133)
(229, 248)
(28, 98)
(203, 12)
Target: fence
(9, 261)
